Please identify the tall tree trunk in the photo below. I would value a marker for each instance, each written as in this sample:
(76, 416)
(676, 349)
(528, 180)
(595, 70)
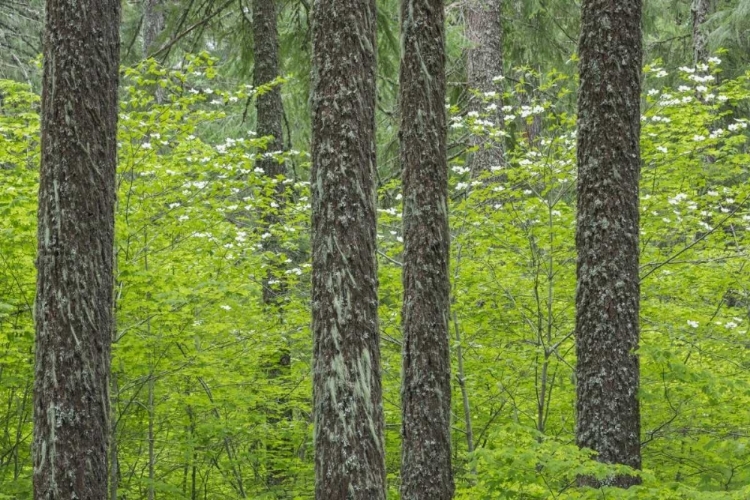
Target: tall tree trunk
(270, 112)
(347, 393)
(426, 387)
(154, 22)
(607, 299)
(74, 309)
(700, 11)
(484, 31)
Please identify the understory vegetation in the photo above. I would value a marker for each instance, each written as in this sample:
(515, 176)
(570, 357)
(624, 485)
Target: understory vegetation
(211, 386)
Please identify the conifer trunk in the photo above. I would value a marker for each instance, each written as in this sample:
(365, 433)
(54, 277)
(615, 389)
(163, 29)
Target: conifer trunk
(270, 111)
(74, 307)
(426, 387)
(484, 32)
(347, 394)
(154, 22)
(700, 11)
(153, 25)
(607, 299)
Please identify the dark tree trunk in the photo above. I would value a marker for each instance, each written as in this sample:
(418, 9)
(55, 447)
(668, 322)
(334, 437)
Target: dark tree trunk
(484, 31)
(74, 309)
(270, 111)
(347, 394)
(700, 11)
(269, 115)
(607, 299)
(426, 386)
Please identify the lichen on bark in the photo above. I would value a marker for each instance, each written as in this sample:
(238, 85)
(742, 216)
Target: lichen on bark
(425, 389)
(607, 298)
(347, 394)
(74, 302)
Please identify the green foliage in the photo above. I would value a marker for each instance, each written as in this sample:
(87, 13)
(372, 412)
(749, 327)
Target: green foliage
(201, 359)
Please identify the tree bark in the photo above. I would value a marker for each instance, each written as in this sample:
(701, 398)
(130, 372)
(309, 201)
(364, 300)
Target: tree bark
(270, 111)
(484, 31)
(607, 299)
(154, 22)
(425, 388)
(700, 10)
(74, 308)
(347, 393)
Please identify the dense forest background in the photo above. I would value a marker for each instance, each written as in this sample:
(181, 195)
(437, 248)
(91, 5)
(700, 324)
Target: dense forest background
(211, 380)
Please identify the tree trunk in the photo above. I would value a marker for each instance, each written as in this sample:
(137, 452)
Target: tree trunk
(700, 11)
(607, 299)
(484, 31)
(270, 111)
(425, 388)
(347, 393)
(154, 22)
(74, 309)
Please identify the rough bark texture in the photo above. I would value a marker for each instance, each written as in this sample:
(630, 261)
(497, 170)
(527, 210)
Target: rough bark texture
(700, 11)
(607, 299)
(74, 309)
(269, 116)
(347, 394)
(425, 388)
(153, 25)
(485, 62)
